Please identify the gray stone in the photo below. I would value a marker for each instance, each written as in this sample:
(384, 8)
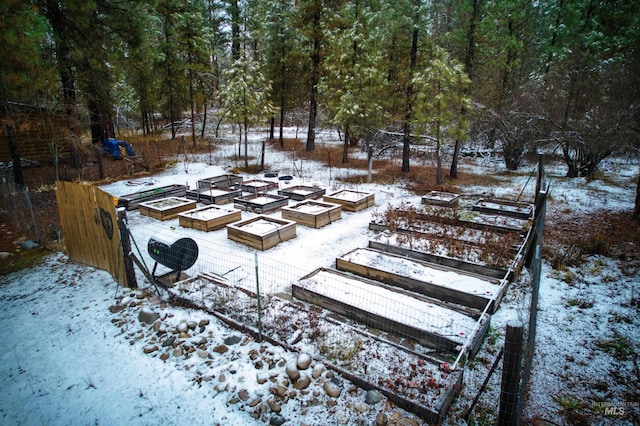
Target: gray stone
(372, 397)
(276, 420)
(28, 245)
(232, 340)
(169, 341)
(148, 316)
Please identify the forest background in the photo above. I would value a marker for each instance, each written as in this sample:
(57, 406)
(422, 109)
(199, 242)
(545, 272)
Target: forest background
(512, 76)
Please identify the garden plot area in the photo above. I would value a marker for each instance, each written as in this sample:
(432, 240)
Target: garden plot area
(440, 282)
(440, 313)
(262, 232)
(166, 208)
(260, 203)
(214, 195)
(209, 218)
(302, 192)
(132, 201)
(477, 242)
(419, 383)
(430, 323)
(312, 213)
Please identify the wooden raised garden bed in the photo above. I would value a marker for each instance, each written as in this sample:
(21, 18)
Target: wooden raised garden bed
(438, 198)
(262, 232)
(429, 323)
(222, 181)
(476, 268)
(166, 208)
(301, 192)
(351, 200)
(214, 195)
(132, 201)
(209, 218)
(256, 186)
(440, 282)
(260, 203)
(314, 214)
(504, 208)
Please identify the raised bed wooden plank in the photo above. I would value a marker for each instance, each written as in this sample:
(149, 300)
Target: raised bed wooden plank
(260, 203)
(439, 198)
(314, 214)
(261, 232)
(351, 200)
(436, 281)
(166, 208)
(209, 218)
(301, 192)
(256, 186)
(504, 208)
(132, 201)
(378, 306)
(475, 268)
(213, 195)
(221, 181)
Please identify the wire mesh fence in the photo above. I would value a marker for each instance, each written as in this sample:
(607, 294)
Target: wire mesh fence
(17, 206)
(240, 282)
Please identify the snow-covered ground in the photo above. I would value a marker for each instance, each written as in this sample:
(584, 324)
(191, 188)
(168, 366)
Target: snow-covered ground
(75, 352)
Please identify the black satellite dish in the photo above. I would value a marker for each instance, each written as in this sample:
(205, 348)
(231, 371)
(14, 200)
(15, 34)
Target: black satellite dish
(179, 256)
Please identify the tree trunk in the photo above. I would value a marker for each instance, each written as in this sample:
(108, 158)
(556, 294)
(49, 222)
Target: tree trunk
(439, 180)
(471, 39)
(636, 211)
(193, 110)
(406, 137)
(272, 126)
(281, 135)
(369, 162)
(315, 79)
(18, 176)
(246, 143)
(235, 29)
(345, 145)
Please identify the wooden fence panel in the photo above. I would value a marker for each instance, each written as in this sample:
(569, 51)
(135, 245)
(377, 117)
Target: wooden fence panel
(90, 227)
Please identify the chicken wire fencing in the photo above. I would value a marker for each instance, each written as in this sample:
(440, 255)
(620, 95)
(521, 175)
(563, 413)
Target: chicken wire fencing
(17, 206)
(245, 285)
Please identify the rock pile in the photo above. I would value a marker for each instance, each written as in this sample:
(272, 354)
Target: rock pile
(259, 378)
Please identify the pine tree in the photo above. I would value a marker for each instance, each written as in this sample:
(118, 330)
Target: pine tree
(354, 85)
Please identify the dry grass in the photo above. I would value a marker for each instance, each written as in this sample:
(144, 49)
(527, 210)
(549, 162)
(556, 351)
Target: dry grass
(613, 234)
(421, 179)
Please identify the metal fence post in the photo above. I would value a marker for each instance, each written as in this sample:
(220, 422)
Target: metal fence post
(509, 392)
(258, 299)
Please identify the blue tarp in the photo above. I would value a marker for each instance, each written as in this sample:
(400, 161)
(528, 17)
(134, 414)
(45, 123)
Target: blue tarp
(112, 147)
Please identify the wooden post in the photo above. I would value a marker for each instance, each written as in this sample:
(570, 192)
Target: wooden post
(510, 389)
(130, 273)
